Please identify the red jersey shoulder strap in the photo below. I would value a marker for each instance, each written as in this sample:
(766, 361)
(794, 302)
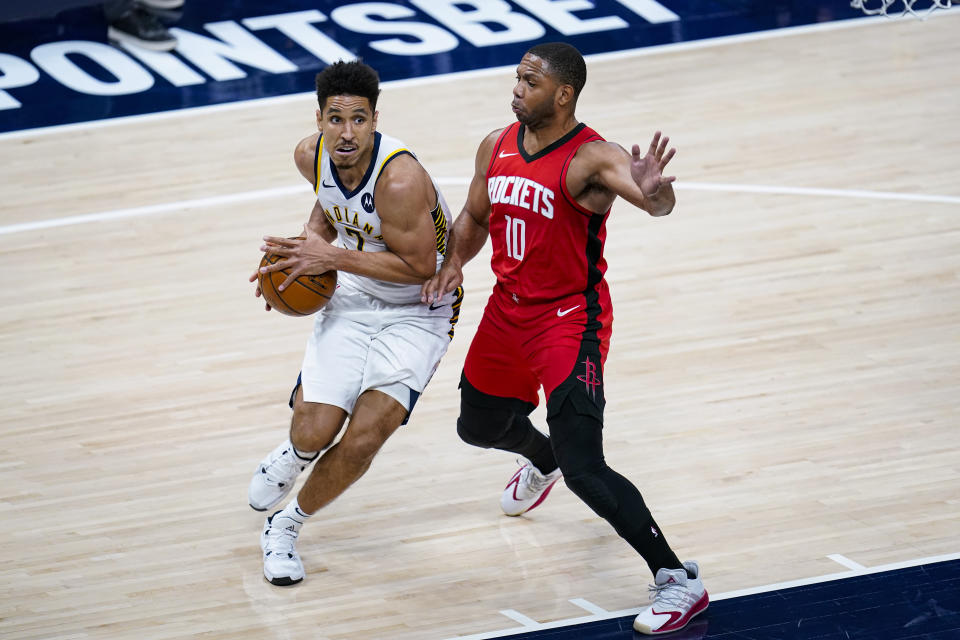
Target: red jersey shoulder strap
(504, 135)
(584, 136)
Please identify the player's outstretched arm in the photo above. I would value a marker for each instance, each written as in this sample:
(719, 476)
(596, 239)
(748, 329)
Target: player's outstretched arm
(469, 231)
(647, 173)
(637, 178)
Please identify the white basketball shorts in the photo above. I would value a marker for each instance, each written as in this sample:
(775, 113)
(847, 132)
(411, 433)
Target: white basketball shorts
(360, 342)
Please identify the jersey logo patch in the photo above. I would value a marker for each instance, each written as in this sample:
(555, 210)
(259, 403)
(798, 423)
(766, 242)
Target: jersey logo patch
(589, 378)
(504, 154)
(367, 202)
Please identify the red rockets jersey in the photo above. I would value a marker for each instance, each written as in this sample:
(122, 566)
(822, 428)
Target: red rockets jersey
(546, 247)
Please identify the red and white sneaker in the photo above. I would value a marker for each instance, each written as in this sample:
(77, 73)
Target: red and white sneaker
(527, 489)
(676, 600)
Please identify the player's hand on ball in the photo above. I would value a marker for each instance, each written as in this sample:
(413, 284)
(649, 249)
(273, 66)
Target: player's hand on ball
(256, 278)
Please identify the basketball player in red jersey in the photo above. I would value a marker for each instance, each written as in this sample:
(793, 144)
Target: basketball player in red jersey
(542, 190)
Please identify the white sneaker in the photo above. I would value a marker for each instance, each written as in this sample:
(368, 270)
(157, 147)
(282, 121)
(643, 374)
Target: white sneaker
(275, 476)
(281, 562)
(676, 600)
(527, 489)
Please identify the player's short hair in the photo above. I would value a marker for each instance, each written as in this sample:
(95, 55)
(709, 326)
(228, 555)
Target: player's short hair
(564, 62)
(352, 78)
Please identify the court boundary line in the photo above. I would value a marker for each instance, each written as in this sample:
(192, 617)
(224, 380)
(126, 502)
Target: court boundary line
(802, 582)
(845, 561)
(259, 194)
(767, 34)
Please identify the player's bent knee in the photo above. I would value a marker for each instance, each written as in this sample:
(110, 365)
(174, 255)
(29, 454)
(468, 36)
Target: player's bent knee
(589, 487)
(305, 436)
(314, 426)
(489, 421)
(361, 449)
(474, 434)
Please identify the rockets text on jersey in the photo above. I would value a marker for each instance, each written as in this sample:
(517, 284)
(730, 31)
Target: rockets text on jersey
(522, 192)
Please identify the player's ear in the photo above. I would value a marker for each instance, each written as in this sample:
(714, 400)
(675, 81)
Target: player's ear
(564, 95)
(319, 120)
(376, 114)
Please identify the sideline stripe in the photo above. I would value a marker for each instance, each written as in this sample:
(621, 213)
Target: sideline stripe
(516, 616)
(847, 562)
(589, 606)
(491, 635)
(474, 73)
(213, 201)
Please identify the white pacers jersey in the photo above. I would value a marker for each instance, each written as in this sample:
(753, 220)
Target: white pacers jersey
(354, 215)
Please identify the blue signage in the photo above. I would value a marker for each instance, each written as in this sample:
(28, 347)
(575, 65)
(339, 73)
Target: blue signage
(58, 70)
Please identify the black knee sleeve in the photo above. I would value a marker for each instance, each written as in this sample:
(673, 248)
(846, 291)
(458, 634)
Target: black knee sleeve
(493, 422)
(480, 428)
(576, 433)
(578, 448)
(489, 427)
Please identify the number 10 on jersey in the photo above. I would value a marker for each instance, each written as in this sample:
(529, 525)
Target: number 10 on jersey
(516, 237)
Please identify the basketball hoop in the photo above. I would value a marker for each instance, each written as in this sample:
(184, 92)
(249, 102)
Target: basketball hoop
(889, 8)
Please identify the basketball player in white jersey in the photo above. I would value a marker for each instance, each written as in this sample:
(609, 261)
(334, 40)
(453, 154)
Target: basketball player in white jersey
(381, 223)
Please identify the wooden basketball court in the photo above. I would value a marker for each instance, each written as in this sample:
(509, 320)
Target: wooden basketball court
(782, 384)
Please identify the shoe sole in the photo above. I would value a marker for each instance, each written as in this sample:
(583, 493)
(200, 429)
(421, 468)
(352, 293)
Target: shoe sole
(648, 632)
(269, 505)
(161, 4)
(119, 37)
(282, 581)
(543, 496)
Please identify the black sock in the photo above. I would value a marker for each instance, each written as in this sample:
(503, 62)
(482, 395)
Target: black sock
(532, 445)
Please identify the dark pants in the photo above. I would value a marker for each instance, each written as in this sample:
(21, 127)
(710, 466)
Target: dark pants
(575, 444)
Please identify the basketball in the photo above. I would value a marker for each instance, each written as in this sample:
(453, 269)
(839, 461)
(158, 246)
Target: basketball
(304, 296)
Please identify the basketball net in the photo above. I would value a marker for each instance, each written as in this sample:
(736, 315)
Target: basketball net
(890, 8)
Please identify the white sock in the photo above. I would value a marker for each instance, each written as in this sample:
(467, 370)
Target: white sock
(306, 457)
(290, 515)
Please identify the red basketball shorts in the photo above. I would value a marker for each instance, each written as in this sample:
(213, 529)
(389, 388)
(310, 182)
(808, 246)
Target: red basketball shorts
(520, 348)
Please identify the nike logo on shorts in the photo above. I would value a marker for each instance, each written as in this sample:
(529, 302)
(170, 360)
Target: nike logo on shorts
(504, 154)
(435, 307)
(563, 312)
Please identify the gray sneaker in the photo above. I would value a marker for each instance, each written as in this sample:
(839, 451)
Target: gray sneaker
(676, 599)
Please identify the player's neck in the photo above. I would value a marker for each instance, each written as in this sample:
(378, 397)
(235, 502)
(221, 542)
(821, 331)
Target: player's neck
(545, 133)
(351, 177)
